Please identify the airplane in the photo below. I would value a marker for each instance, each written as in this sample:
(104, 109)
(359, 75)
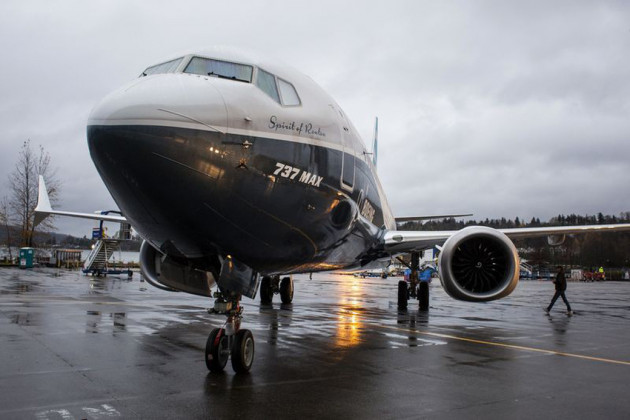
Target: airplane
(239, 171)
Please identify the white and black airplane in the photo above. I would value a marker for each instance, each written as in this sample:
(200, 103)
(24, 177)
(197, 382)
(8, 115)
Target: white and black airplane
(238, 171)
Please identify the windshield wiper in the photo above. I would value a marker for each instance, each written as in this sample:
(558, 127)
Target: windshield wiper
(222, 76)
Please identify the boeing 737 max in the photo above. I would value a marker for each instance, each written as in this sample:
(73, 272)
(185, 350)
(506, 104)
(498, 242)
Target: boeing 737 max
(238, 171)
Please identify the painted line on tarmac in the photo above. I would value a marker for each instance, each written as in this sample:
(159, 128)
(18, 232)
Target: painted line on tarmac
(509, 346)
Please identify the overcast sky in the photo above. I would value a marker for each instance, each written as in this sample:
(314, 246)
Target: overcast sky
(489, 107)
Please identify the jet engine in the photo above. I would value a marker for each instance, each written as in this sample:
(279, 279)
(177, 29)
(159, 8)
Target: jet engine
(479, 264)
(168, 273)
(197, 275)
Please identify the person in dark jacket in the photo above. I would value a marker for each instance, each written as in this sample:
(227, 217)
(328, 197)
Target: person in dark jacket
(561, 287)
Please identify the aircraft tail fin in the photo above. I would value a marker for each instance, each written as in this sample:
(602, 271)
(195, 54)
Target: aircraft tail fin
(43, 209)
(375, 143)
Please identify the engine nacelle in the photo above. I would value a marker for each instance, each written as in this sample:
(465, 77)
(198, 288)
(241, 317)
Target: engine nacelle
(479, 264)
(197, 276)
(165, 272)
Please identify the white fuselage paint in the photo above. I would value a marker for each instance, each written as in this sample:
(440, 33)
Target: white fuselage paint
(230, 107)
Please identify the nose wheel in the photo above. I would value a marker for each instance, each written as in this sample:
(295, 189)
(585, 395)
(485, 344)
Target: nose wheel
(231, 341)
(243, 351)
(220, 347)
(217, 350)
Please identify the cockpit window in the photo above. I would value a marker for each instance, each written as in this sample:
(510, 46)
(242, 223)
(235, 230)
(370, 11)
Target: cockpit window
(267, 83)
(279, 90)
(288, 93)
(168, 67)
(221, 69)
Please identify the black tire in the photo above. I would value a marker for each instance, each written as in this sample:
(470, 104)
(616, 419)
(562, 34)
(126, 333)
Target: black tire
(286, 290)
(423, 295)
(403, 294)
(217, 352)
(266, 293)
(243, 351)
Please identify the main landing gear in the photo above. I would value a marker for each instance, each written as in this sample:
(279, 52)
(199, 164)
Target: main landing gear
(230, 341)
(415, 288)
(270, 285)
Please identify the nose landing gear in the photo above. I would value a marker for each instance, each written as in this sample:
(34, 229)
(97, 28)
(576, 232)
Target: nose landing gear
(231, 341)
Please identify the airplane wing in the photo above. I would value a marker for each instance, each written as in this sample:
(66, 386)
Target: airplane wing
(407, 241)
(44, 209)
(479, 263)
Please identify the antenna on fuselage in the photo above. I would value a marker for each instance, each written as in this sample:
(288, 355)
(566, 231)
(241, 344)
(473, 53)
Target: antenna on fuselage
(375, 143)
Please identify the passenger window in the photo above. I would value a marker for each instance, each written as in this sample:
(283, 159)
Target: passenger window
(288, 93)
(267, 83)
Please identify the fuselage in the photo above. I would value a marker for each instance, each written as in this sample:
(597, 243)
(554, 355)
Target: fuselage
(223, 153)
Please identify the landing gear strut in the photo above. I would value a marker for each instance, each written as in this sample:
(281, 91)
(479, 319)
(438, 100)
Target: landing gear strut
(270, 285)
(415, 288)
(231, 341)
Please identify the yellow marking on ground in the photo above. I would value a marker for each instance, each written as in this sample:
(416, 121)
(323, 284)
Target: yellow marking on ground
(510, 346)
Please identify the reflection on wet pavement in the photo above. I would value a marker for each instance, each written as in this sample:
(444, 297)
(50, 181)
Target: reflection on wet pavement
(349, 313)
(343, 340)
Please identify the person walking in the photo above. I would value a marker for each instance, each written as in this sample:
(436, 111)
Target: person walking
(561, 287)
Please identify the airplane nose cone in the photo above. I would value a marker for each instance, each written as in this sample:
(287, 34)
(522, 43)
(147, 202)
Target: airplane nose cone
(148, 140)
(166, 99)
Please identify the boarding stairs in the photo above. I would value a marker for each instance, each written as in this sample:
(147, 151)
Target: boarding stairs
(96, 262)
(526, 269)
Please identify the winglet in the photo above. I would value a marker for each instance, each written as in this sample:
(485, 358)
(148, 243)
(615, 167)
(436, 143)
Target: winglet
(43, 208)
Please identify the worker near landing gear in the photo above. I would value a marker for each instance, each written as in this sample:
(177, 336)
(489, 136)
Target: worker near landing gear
(561, 287)
(426, 273)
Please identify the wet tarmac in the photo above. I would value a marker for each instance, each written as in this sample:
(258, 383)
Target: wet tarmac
(75, 347)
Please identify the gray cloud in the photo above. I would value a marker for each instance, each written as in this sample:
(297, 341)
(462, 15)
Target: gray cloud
(491, 107)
